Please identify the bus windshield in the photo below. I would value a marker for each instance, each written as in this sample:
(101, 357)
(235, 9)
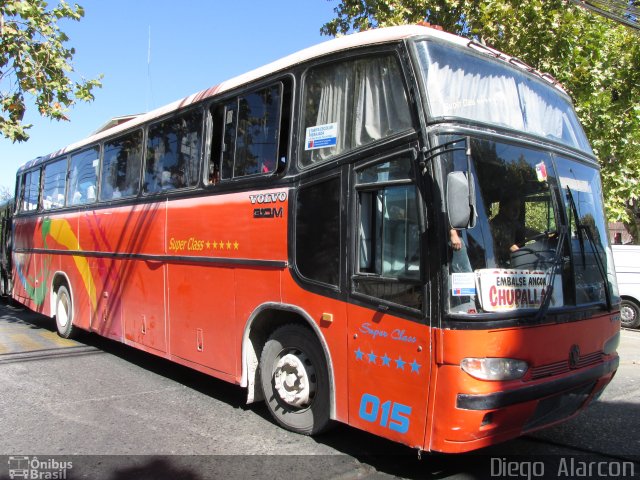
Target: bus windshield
(461, 84)
(539, 240)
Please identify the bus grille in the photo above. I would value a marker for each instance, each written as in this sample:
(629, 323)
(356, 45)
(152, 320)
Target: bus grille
(559, 368)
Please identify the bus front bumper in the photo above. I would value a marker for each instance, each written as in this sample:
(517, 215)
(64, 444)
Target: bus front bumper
(483, 419)
(497, 400)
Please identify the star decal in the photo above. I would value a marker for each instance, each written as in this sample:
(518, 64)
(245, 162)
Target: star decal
(415, 366)
(236, 245)
(385, 361)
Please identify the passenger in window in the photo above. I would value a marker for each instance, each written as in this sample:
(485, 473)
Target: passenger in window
(508, 231)
(214, 176)
(459, 264)
(459, 257)
(267, 166)
(177, 178)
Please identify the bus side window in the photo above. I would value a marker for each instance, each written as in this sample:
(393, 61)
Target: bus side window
(317, 230)
(173, 153)
(218, 127)
(389, 247)
(30, 191)
(349, 104)
(121, 167)
(251, 139)
(83, 177)
(54, 183)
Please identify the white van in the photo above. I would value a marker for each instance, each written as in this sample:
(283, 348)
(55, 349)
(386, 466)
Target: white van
(627, 260)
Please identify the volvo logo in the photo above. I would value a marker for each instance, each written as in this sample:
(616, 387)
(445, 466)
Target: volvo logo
(574, 356)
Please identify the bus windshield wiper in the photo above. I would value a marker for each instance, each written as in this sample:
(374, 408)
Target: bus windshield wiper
(589, 234)
(557, 261)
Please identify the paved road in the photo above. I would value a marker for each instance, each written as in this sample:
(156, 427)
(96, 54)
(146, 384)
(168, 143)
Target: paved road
(149, 418)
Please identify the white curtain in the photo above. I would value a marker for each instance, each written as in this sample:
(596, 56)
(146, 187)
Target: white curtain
(460, 92)
(463, 85)
(365, 98)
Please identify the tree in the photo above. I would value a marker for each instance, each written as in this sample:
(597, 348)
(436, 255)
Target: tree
(5, 194)
(35, 62)
(596, 60)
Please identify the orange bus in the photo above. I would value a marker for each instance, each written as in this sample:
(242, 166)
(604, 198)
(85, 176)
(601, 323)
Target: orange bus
(400, 229)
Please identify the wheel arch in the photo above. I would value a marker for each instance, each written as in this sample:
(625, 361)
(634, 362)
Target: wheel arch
(262, 322)
(631, 298)
(58, 279)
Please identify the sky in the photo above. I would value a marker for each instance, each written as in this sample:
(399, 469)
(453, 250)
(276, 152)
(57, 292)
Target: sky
(195, 44)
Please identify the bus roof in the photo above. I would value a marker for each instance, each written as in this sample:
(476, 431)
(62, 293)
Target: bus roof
(347, 42)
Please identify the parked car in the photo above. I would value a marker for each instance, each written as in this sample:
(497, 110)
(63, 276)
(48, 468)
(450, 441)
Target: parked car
(627, 260)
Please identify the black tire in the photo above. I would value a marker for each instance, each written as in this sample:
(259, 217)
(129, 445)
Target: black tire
(64, 313)
(629, 313)
(295, 349)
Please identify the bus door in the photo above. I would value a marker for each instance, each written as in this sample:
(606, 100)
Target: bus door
(389, 344)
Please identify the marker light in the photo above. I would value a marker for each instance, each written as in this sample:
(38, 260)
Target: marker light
(494, 368)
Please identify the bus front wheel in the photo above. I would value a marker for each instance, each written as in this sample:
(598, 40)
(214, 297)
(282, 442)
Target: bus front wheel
(295, 381)
(64, 313)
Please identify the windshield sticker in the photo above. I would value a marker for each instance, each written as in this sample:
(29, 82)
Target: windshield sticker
(503, 290)
(463, 284)
(575, 184)
(321, 136)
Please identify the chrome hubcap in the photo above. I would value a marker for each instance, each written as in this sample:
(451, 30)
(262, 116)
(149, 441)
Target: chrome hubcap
(294, 379)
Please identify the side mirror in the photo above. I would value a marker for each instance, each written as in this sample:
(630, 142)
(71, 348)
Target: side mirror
(461, 200)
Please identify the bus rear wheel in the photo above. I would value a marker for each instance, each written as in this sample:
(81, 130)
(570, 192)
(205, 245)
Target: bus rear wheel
(295, 380)
(64, 313)
(629, 313)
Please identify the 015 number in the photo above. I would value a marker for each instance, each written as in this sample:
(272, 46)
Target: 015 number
(391, 415)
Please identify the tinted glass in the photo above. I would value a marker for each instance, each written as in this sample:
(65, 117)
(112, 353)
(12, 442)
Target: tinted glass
(318, 231)
(460, 84)
(582, 191)
(31, 191)
(121, 167)
(54, 183)
(251, 133)
(350, 104)
(173, 153)
(389, 247)
(83, 174)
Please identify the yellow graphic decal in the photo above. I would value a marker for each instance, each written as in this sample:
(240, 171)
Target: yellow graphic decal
(61, 232)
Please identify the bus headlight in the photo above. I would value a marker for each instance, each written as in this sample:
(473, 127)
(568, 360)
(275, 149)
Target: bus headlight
(494, 368)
